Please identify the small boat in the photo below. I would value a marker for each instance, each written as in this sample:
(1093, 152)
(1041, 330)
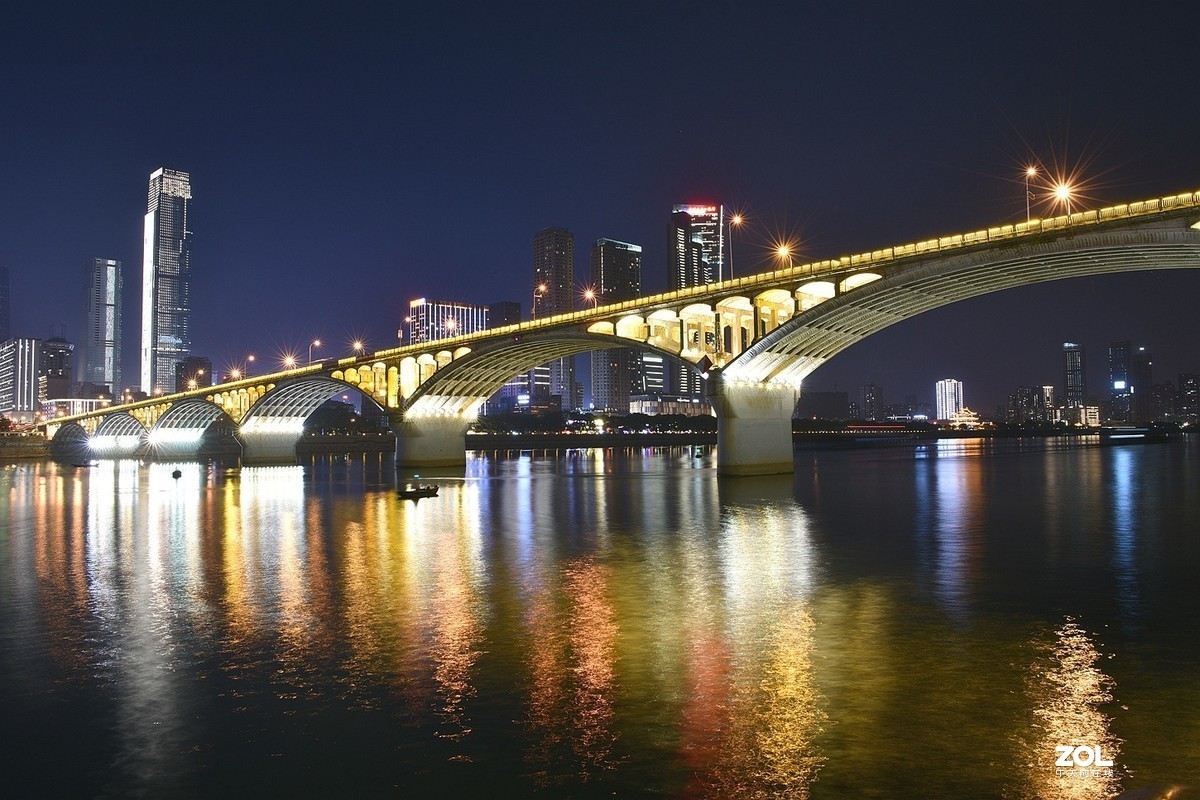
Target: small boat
(415, 491)
(1138, 434)
(88, 464)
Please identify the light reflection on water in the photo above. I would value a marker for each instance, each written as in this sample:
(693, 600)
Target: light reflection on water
(600, 622)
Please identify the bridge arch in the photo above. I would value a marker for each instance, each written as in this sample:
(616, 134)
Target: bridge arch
(182, 427)
(790, 352)
(120, 433)
(273, 426)
(69, 438)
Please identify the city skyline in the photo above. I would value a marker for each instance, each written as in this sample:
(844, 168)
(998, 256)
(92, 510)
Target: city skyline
(305, 206)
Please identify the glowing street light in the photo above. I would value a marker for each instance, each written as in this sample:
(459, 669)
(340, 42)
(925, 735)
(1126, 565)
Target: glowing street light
(590, 296)
(538, 291)
(358, 347)
(784, 251)
(735, 221)
(1030, 172)
(1062, 194)
(234, 374)
(451, 325)
(289, 361)
(314, 343)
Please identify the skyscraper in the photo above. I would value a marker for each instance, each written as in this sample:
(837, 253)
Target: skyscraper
(1074, 375)
(5, 310)
(101, 343)
(616, 276)
(949, 394)
(166, 279)
(54, 369)
(1141, 410)
(1120, 382)
(19, 373)
(554, 279)
(696, 252)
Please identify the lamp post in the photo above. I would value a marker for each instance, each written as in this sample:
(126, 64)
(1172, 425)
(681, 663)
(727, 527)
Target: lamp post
(289, 361)
(1062, 193)
(735, 220)
(358, 346)
(784, 252)
(1030, 172)
(591, 296)
(314, 343)
(538, 291)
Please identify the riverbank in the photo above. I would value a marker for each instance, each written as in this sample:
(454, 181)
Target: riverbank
(16, 446)
(559, 441)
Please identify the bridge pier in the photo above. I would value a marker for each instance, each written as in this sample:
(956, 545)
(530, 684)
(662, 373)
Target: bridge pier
(754, 427)
(275, 447)
(431, 441)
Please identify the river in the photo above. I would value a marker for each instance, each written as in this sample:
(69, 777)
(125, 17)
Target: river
(937, 620)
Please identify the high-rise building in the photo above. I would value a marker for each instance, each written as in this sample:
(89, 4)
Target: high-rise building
(54, 369)
(696, 249)
(1074, 375)
(166, 279)
(1120, 382)
(19, 372)
(872, 401)
(5, 307)
(554, 293)
(1141, 409)
(430, 320)
(949, 394)
(1188, 402)
(101, 344)
(616, 276)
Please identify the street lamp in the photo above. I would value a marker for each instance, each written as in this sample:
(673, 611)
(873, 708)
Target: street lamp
(358, 347)
(451, 325)
(590, 296)
(784, 251)
(735, 220)
(1062, 194)
(234, 374)
(289, 361)
(538, 291)
(1030, 172)
(314, 343)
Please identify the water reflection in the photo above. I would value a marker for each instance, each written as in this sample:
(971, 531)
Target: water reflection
(1069, 692)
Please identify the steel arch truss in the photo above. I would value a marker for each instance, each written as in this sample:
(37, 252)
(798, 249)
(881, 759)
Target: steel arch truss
(458, 388)
(118, 433)
(184, 424)
(283, 410)
(792, 351)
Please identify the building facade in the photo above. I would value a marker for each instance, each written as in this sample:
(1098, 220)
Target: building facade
(949, 394)
(430, 320)
(5, 306)
(1074, 375)
(19, 371)
(54, 369)
(696, 248)
(101, 345)
(554, 293)
(616, 276)
(166, 279)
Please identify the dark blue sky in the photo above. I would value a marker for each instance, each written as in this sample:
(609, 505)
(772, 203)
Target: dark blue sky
(346, 161)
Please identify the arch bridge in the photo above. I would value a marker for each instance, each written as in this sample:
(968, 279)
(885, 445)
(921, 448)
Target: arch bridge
(755, 338)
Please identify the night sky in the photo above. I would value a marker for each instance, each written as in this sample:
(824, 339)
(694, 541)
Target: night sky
(346, 161)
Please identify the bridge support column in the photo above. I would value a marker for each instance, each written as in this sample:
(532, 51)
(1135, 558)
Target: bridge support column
(269, 448)
(431, 441)
(754, 427)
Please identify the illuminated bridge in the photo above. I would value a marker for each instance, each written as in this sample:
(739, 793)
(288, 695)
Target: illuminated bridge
(756, 338)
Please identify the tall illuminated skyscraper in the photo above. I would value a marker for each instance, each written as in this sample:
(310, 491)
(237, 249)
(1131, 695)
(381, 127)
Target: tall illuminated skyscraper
(949, 394)
(616, 276)
(696, 251)
(101, 343)
(554, 269)
(1074, 375)
(166, 279)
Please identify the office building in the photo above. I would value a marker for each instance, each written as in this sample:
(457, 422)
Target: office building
(949, 398)
(54, 369)
(1141, 411)
(1074, 375)
(1188, 397)
(430, 320)
(101, 345)
(19, 372)
(616, 277)
(554, 293)
(166, 279)
(696, 257)
(1120, 382)
(872, 401)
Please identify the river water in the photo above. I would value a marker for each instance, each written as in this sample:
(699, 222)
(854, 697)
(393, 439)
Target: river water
(929, 621)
